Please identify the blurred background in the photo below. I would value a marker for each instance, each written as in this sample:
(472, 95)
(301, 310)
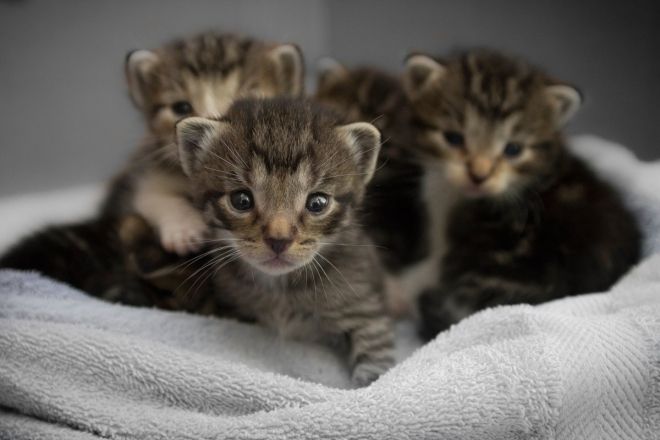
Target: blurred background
(66, 120)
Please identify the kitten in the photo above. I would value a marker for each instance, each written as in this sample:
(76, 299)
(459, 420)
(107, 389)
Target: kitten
(198, 76)
(279, 182)
(119, 262)
(395, 214)
(533, 223)
(118, 256)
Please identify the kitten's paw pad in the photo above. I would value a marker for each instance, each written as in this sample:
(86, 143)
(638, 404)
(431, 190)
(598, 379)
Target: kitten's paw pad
(366, 372)
(183, 237)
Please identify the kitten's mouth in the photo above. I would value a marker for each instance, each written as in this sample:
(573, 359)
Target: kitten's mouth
(277, 265)
(475, 191)
(277, 262)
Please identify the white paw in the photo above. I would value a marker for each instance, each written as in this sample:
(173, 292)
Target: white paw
(183, 235)
(366, 372)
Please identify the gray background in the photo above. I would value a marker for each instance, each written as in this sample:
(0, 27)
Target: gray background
(65, 118)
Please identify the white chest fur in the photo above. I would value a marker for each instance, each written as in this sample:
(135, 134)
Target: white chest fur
(404, 288)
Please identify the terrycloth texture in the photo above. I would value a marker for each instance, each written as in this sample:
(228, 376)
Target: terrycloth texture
(72, 367)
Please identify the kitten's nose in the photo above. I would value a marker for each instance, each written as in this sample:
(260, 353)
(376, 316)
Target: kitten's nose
(476, 179)
(279, 245)
(480, 169)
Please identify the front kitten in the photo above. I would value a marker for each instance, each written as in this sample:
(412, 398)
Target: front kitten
(197, 76)
(534, 223)
(395, 214)
(279, 182)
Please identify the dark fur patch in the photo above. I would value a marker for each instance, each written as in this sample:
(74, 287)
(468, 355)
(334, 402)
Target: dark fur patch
(394, 213)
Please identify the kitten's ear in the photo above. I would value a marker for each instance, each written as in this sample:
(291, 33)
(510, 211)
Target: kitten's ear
(420, 72)
(139, 64)
(565, 101)
(363, 140)
(289, 68)
(194, 136)
(330, 72)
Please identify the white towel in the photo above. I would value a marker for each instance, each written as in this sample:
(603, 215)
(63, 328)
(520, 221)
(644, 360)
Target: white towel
(588, 367)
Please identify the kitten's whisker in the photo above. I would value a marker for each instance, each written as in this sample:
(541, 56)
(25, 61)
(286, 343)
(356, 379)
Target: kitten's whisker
(226, 251)
(382, 115)
(315, 266)
(327, 276)
(350, 244)
(209, 270)
(189, 261)
(338, 271)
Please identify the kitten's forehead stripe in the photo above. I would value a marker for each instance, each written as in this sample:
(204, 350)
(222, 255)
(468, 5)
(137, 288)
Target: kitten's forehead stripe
(495, 86)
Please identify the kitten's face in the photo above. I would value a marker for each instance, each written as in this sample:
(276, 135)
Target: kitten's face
(203, 75)
(490, 121)
(277, 179)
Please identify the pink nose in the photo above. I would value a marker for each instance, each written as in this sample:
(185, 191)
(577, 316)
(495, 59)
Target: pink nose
(278, 245)
(477, 179)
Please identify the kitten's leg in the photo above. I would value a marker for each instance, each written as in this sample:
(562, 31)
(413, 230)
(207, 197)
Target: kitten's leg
(180, 226)
(446, 305)
(371, 339)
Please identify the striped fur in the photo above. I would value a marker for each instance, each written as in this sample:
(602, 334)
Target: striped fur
(533, 223)
(328, 280)
(116, 261)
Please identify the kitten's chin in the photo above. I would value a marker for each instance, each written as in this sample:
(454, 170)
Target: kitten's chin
(276, 266)
(477, 192)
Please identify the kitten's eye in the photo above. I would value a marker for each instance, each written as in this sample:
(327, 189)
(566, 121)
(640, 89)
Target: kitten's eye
(241, 200)
(512, 149)
(182, 108)
(454, 138)
(317, 202)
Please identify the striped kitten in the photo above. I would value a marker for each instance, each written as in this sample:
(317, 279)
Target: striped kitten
(198, 76)
(116, 252)
(119, 262)
(395, 214)
(279, 182)
(533, 222)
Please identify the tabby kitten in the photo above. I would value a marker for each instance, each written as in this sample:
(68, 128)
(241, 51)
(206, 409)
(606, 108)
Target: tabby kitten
(199, 76)
(533, 222)
(118, 256)
(279, 182)
(116, 261)
(395, 214)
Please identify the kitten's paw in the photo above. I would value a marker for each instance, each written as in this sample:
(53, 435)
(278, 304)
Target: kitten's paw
(183, 236)
(366, 372)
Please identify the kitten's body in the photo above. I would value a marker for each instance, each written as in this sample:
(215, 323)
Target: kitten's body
(397, 213)
(119, 261)
(532, 222)
(258, 175)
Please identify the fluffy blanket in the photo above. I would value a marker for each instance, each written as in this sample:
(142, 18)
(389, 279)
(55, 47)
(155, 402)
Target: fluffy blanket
(73, 367)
